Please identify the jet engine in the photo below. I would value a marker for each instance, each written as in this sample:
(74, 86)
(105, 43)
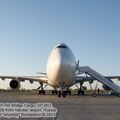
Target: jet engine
(14, 84)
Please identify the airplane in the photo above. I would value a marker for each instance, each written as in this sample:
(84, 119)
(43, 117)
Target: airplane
(63, 72)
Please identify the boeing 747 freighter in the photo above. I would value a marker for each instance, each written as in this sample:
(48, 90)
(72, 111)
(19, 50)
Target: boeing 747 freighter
(63, 72)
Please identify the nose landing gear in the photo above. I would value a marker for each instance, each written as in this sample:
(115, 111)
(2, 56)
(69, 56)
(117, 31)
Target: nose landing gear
(61, 93)
(54, 92)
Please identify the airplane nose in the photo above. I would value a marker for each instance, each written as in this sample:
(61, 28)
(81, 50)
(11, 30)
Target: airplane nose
(61, 65)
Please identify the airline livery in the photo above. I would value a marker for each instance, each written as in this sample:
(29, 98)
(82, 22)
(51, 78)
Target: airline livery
(63, 72)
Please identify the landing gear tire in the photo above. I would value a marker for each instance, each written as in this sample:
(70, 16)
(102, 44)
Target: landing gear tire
(69, 92)
(78, 92)
(52, 92)
(81, 92)
(56, 92)
(64, 93)
(41, 92)
(59, 93)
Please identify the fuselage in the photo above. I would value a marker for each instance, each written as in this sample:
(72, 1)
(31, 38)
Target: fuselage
(61, 67)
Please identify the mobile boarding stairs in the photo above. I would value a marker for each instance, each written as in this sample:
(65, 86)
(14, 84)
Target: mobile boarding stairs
(100, 78)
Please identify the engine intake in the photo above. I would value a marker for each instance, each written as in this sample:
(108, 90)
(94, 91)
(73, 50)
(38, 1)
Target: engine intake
(14, 84)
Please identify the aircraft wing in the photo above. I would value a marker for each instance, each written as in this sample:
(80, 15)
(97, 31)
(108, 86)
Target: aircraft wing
(43, 79)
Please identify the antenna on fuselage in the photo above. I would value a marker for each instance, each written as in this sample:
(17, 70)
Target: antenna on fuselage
(77, 65)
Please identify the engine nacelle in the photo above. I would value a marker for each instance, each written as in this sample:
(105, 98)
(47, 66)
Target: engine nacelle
(106, 88)
(14, 84)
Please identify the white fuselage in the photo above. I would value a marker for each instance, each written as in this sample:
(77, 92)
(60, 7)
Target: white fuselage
(61, 67)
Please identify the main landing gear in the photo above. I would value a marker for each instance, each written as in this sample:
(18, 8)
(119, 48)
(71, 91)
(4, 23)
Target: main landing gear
(68, 91)
(81, 89)
(42, 91)
(54, 92)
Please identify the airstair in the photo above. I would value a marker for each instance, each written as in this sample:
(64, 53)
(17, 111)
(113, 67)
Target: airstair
(100, 78)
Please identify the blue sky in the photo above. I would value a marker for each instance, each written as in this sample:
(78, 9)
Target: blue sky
(29, 29)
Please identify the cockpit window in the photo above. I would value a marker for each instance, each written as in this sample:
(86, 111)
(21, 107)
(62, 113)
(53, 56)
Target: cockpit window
(62, 46)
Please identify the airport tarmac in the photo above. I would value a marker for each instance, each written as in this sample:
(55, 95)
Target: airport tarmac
(72, 107)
